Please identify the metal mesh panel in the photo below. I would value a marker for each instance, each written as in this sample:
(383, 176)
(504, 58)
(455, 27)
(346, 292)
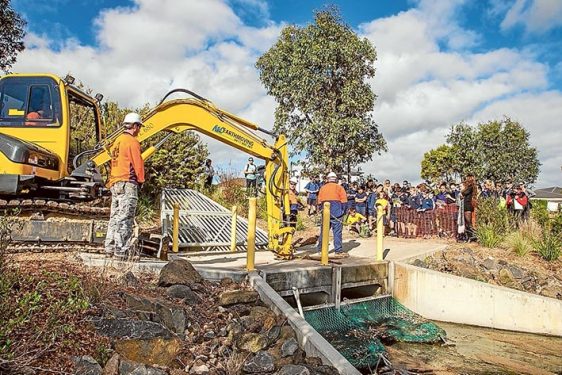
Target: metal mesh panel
(205, 225)
(358, 330)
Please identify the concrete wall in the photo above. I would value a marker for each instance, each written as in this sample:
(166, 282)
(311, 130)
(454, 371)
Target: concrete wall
(450, 298)
(311, 341)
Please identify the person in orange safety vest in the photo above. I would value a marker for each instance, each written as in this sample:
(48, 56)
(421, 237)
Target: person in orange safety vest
(336, 195)
(126, 177)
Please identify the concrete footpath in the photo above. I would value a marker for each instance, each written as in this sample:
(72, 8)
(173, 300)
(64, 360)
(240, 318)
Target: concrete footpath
(361, 250)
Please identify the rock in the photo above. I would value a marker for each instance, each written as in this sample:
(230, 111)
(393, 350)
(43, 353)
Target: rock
(326, 370)
(293, 370)
(506, 277)
(156, 351)
(273, 334)
(289, 347)
(313, 361)
(263, 316)
(502, 262)
(184, 292)
(178, 271)
(178, 291)
(209, 335)
(222, 332)
(490, 264)
(128, 279)
(419, 263)
(199, 369)
(132, 329)
(261, 363)
(86, 365)
(286, 333)
(233, 297)
(112, 366)
(132, 368)
(226, 281)
(176, 371)
(517, 272)
(252, 342)
(171, 317)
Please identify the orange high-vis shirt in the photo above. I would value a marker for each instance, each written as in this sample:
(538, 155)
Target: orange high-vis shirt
(126, 161)
(332, 192)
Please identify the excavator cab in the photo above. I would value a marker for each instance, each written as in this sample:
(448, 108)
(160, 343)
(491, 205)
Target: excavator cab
(41, 130)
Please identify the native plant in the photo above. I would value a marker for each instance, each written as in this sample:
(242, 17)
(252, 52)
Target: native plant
(319, 75)
(519, 243)
(549, 246)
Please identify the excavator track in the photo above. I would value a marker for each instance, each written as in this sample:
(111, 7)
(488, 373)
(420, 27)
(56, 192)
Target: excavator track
(84, 210)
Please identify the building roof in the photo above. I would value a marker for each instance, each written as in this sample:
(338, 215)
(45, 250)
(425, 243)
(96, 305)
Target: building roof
(549, 193)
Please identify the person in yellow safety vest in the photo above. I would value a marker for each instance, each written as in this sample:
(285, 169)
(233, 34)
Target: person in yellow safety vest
(126, 177)
(336, 195)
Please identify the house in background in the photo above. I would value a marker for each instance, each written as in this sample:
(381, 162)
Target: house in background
(553, 196)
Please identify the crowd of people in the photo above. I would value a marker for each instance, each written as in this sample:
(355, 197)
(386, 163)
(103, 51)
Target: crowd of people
(422, 210)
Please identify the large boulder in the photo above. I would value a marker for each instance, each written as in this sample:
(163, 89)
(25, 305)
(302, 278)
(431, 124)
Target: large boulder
(178, 271)
(234, 297)
(157, 351)
(86, 365)
(172, 317)
(261, 363)
(132, 329)
(184, 292)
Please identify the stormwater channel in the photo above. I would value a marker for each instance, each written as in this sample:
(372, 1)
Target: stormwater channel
(368, 321)
(362, 331)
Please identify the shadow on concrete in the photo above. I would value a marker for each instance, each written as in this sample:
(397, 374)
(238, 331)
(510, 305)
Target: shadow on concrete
(350, 245)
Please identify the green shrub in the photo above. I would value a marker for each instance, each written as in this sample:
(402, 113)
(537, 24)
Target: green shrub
(488, 236)
(490, 214)
(549, 246)
(519, 243)
(146, 210)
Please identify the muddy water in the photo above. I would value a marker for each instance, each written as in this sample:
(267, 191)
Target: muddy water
(476, 350)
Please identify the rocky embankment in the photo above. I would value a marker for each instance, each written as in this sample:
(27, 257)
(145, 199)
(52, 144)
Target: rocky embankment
(187, 325)
(497, 267)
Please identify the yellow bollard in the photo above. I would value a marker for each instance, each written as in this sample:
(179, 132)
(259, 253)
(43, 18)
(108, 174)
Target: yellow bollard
(380, 232)
(325, 233)
(251, 256)
(176, 228)
(233, 230)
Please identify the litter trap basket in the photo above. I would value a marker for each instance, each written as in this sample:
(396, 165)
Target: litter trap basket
(360, 330)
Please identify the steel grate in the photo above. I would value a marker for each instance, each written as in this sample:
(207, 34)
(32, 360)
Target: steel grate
(205, 225)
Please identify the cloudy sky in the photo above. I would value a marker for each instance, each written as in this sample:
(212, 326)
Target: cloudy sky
(439, 62)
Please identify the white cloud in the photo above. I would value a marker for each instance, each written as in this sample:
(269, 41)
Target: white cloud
(424, 89)
(536, 16)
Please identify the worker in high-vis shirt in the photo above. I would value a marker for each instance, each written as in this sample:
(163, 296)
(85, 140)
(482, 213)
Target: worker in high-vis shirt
(126, 177)
(335, 194)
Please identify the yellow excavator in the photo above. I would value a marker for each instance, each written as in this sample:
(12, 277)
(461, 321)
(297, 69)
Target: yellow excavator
(45, 166)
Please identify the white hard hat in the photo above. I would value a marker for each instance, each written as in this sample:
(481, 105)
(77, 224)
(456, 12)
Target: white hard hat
(293, 180)
(132, 118)
(332, 175)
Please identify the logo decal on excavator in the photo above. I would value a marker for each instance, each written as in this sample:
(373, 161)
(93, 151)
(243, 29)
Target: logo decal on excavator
(234, 136)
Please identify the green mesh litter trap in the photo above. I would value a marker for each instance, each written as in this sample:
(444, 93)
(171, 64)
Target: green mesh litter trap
(360, 330)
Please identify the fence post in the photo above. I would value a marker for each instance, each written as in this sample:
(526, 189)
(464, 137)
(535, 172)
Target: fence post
(325, 233)
(176, 228)
(251, 254)
(233, 230)
(380, 232)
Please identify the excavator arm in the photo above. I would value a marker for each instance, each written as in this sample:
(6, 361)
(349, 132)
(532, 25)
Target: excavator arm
(198, 114)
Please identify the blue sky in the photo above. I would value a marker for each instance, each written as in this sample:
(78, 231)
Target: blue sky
(439, 61)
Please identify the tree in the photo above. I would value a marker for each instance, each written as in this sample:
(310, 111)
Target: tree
(498, 150)
(318, 75)
(11, 35)
(438, 164)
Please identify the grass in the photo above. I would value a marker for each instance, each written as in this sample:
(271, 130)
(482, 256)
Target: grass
(519, 243)
(549, 246)
(488, 236)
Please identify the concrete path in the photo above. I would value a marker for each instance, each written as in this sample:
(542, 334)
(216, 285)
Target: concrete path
(361, 250)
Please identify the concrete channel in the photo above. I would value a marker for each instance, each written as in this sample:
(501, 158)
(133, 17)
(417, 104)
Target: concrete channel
(431, 294)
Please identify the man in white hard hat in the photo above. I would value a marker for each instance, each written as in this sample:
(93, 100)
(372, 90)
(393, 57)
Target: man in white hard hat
(127, 174)
(335, 194)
